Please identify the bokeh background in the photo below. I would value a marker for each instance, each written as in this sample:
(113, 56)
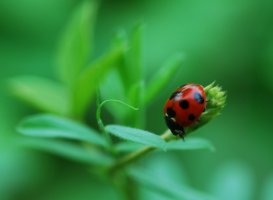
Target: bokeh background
(230, 42)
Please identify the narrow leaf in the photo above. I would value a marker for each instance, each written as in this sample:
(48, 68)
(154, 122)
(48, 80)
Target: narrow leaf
(124, 147)
(68, 150)
(134, 55)
(136, 135)
(90, 79)
(121, 39)
(162, 77)
(135, 97)
(76, 43)
(113, 80)
(51, 126)
(41, 93)
(175, 191)
(190, 144)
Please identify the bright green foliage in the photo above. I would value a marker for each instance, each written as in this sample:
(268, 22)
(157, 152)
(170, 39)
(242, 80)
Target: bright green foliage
(87, 84)
(235, 177)
(68, 150)
(134, 56)
(127, 78)
(50, 126)
(76, 43)
(44, 94)
(127, 147)
(119, 112)
(116, 77)
(171, 189)
(136, 135)
(162, 77)
(190, 144)
(225, 41)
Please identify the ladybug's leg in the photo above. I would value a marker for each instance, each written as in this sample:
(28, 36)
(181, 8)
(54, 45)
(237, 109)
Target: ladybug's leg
(181, 133)
(172, 125)
(175, 128)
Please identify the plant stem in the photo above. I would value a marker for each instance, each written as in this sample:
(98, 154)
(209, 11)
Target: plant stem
(129, 158)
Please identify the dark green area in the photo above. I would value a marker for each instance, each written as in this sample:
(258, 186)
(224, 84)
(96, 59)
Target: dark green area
(230, 42)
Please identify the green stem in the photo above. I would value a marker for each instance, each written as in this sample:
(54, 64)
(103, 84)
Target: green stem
(129, 158)
(101, 125)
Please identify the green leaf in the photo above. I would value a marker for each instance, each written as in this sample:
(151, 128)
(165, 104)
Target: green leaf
(267, 191)
(136, 94)
(41, 93)
(134, 55)
(176, 191)
(124, 147)
(68, 150)
(76, 43)
(135, 97)
(236, 177)
(90, 79)
(162, 77)
(113, 80)
(136, 135)
(166, 170)
(190, 144)
(121, 39)
(50, 126)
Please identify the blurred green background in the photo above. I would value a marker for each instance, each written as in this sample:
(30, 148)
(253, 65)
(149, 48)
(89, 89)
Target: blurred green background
(230, 42)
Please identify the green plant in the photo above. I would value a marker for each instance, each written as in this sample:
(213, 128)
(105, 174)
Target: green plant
(116, 77)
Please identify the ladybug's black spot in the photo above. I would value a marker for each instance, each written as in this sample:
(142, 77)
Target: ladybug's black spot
(171, 112)
(184, 104)
(191, 117)
(198, 97)
(174, 95)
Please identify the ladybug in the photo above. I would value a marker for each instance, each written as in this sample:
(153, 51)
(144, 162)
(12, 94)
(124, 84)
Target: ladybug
(184, 107)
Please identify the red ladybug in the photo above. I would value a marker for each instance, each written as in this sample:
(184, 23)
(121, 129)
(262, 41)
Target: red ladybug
(184, 107)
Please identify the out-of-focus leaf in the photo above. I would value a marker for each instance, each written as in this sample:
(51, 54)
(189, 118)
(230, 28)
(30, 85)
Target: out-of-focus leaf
(121, 39)
(162, 77)
(267, 191)
(51, 126)
(76, 43)
(190, 144)
(68, 150)
(134, 69)
(166, 170)
(233, 181)
(135, 98)
(136, 135)
(136, 93)
(146, 193)
(127, 147)
(112, 88)
(90, 79)
(41, 93)
(134, 55)
(173, 190)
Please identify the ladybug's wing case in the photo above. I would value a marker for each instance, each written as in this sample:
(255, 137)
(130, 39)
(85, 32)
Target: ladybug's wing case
(184, 107)
(170, 115)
